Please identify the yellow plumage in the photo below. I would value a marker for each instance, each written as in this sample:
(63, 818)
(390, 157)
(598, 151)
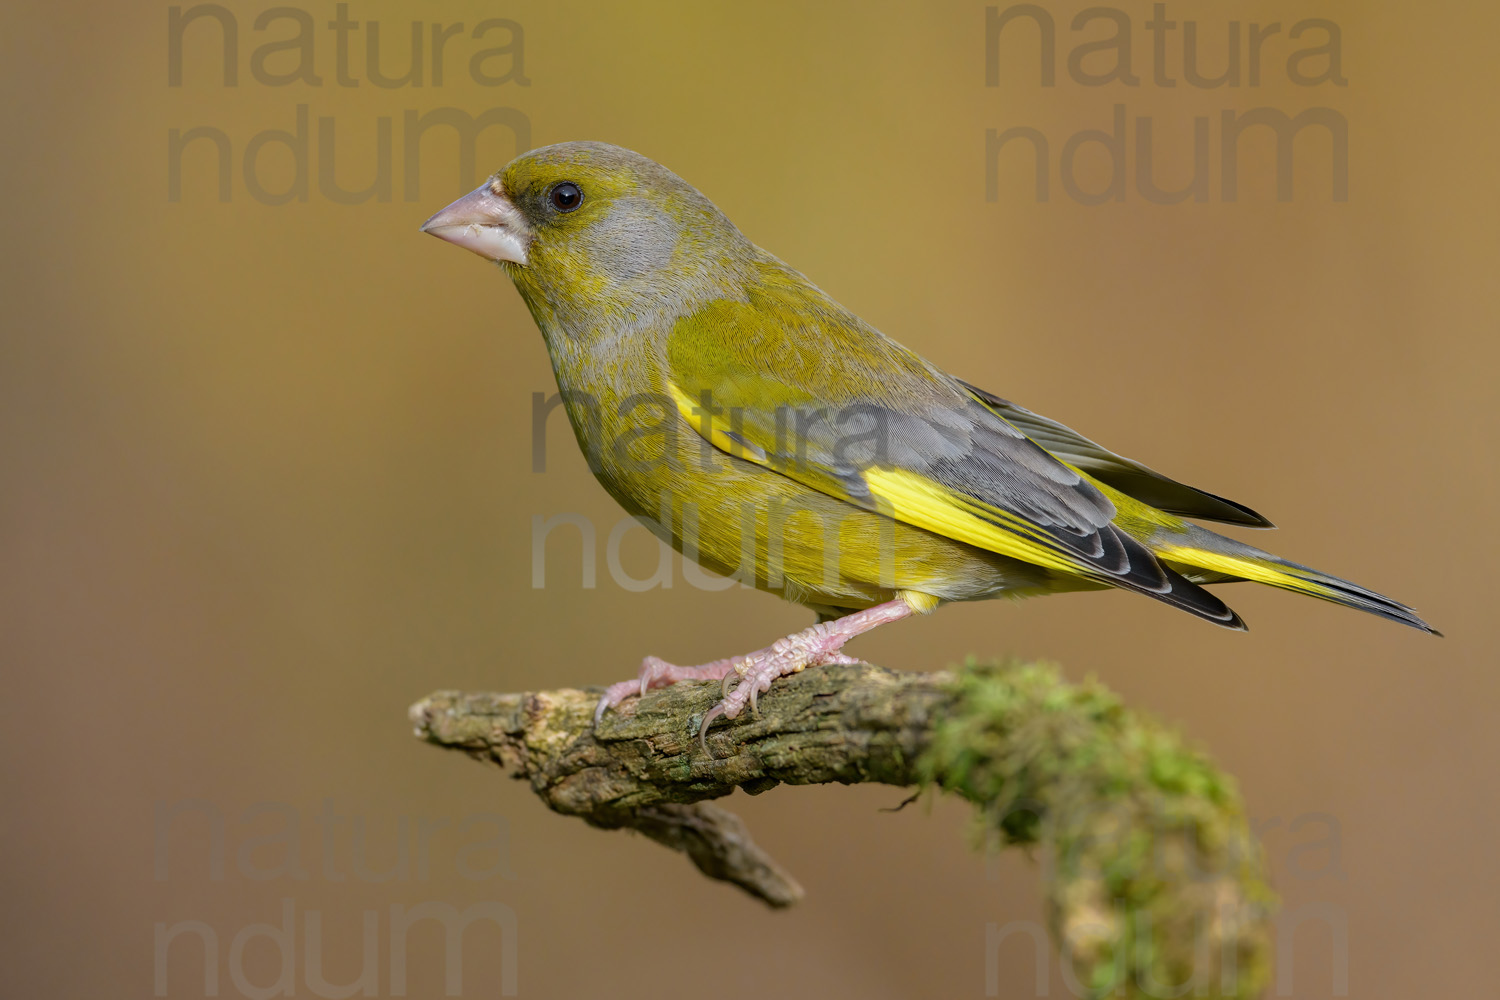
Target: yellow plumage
(772, 435)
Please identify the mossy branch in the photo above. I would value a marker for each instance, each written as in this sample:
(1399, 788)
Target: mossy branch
(1151, 877)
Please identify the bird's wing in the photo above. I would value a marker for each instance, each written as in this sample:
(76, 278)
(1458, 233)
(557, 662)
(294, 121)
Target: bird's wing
(1124, 474)
(800, 386)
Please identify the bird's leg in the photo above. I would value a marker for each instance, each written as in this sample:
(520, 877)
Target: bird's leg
(815, 646)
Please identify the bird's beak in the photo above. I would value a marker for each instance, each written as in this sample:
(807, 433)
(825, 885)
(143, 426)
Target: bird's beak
(486, 222)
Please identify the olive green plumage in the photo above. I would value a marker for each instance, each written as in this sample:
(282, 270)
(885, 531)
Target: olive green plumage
(771, 434)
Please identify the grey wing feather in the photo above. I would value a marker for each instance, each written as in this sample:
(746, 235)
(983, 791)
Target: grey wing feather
(972, 450)
(1128, 476)
(917, 418)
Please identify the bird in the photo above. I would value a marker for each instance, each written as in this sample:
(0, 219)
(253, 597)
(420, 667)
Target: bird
(773, 436)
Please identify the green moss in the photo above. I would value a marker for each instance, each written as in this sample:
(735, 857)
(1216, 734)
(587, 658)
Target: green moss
(1154, 884)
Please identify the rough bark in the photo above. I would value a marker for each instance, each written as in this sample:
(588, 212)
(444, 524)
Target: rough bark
(1152, 880)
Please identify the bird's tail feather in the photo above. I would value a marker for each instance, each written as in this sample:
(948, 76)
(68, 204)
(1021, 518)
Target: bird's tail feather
(1209, 557)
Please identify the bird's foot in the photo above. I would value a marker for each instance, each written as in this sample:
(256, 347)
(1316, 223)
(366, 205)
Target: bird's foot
(759, 671)
(820, 645)
(755, 672)
(752, 675)
(658, 673)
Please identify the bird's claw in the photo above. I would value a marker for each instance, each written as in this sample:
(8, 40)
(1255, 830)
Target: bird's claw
(713, 713)
(758, 674)
(742, 679)
(615, 694)
(658, 673)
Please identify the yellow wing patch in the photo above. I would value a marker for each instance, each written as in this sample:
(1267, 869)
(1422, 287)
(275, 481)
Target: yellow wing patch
(1242, 566)
(910, 498)
(919, 501)
(711, 430)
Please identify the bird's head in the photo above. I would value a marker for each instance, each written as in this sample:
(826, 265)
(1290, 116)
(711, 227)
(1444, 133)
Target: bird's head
(582, 224)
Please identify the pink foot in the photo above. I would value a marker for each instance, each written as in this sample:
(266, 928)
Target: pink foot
(658, 673)
(819, 645)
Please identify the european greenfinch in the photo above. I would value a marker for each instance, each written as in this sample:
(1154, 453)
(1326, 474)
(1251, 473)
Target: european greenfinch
(773, 436)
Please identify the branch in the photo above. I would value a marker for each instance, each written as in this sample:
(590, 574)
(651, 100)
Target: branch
(1152, 879)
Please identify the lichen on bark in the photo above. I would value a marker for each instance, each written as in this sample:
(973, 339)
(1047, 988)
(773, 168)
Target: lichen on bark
(1152, 881)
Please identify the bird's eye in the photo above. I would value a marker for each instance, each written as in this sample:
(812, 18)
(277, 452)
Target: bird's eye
(566, 196)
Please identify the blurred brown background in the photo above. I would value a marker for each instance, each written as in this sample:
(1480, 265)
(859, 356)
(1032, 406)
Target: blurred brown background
(268, 480)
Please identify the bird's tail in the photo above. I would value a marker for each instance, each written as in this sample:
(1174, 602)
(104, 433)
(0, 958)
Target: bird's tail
(1204, 556)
